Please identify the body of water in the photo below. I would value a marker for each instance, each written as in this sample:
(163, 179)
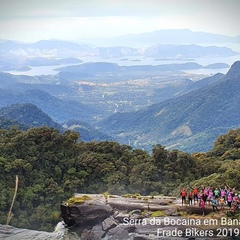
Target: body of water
(129, 61)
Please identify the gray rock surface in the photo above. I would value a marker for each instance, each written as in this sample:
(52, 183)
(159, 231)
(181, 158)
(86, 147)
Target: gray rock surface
(11, 233)
(109, 223)
(97, 219)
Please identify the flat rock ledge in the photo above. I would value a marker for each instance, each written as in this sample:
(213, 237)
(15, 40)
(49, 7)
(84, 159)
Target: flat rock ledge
(118, 218)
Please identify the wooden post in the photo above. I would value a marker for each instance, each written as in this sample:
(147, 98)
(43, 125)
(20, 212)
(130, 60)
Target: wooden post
(10, 214)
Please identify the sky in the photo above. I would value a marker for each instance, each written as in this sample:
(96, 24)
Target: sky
(33, 20)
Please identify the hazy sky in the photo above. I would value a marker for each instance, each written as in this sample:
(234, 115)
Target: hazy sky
(32, 20)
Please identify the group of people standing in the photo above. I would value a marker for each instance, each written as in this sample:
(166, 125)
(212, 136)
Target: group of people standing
(217, 197)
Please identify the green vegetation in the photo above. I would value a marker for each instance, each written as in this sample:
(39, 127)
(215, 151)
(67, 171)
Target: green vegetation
(52, 166)
(136, 195)
(78, 200)
(158, 214)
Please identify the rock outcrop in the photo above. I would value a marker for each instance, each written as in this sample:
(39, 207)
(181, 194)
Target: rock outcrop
(87, 213)
(118, 218)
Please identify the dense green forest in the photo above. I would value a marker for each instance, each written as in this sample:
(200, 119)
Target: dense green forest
(52, 166)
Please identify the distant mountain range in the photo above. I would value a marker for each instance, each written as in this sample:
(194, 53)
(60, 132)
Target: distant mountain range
(187, 51)
(185, 122)
(160, 45)
(64, 49)
(168, 36)
(53, 52)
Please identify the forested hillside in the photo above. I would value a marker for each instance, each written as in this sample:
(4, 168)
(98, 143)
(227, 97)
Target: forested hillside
(28, 114)
(52, 166)
(58, 109)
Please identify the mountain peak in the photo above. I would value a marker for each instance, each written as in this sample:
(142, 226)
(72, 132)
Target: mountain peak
(234, 70)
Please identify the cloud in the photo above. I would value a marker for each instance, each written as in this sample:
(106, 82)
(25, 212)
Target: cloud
(100, 8)
(94, 8)
(33, 20)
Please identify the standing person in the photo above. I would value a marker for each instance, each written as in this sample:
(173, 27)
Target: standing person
(223, 193)
(190, 196)
(216, 193)
(202, 206)
(229, 200)
(210, 195)
(235, 197)
(200, 194)
(235, 202)
(204, 197)
(222, 202)
(214, 204)
(184, 195)
(195, 194)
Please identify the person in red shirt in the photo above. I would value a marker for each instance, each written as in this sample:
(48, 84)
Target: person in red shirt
(184, 195)
(195, 195)
(190, 197)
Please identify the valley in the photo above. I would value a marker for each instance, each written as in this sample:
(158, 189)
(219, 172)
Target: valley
(113, 93)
